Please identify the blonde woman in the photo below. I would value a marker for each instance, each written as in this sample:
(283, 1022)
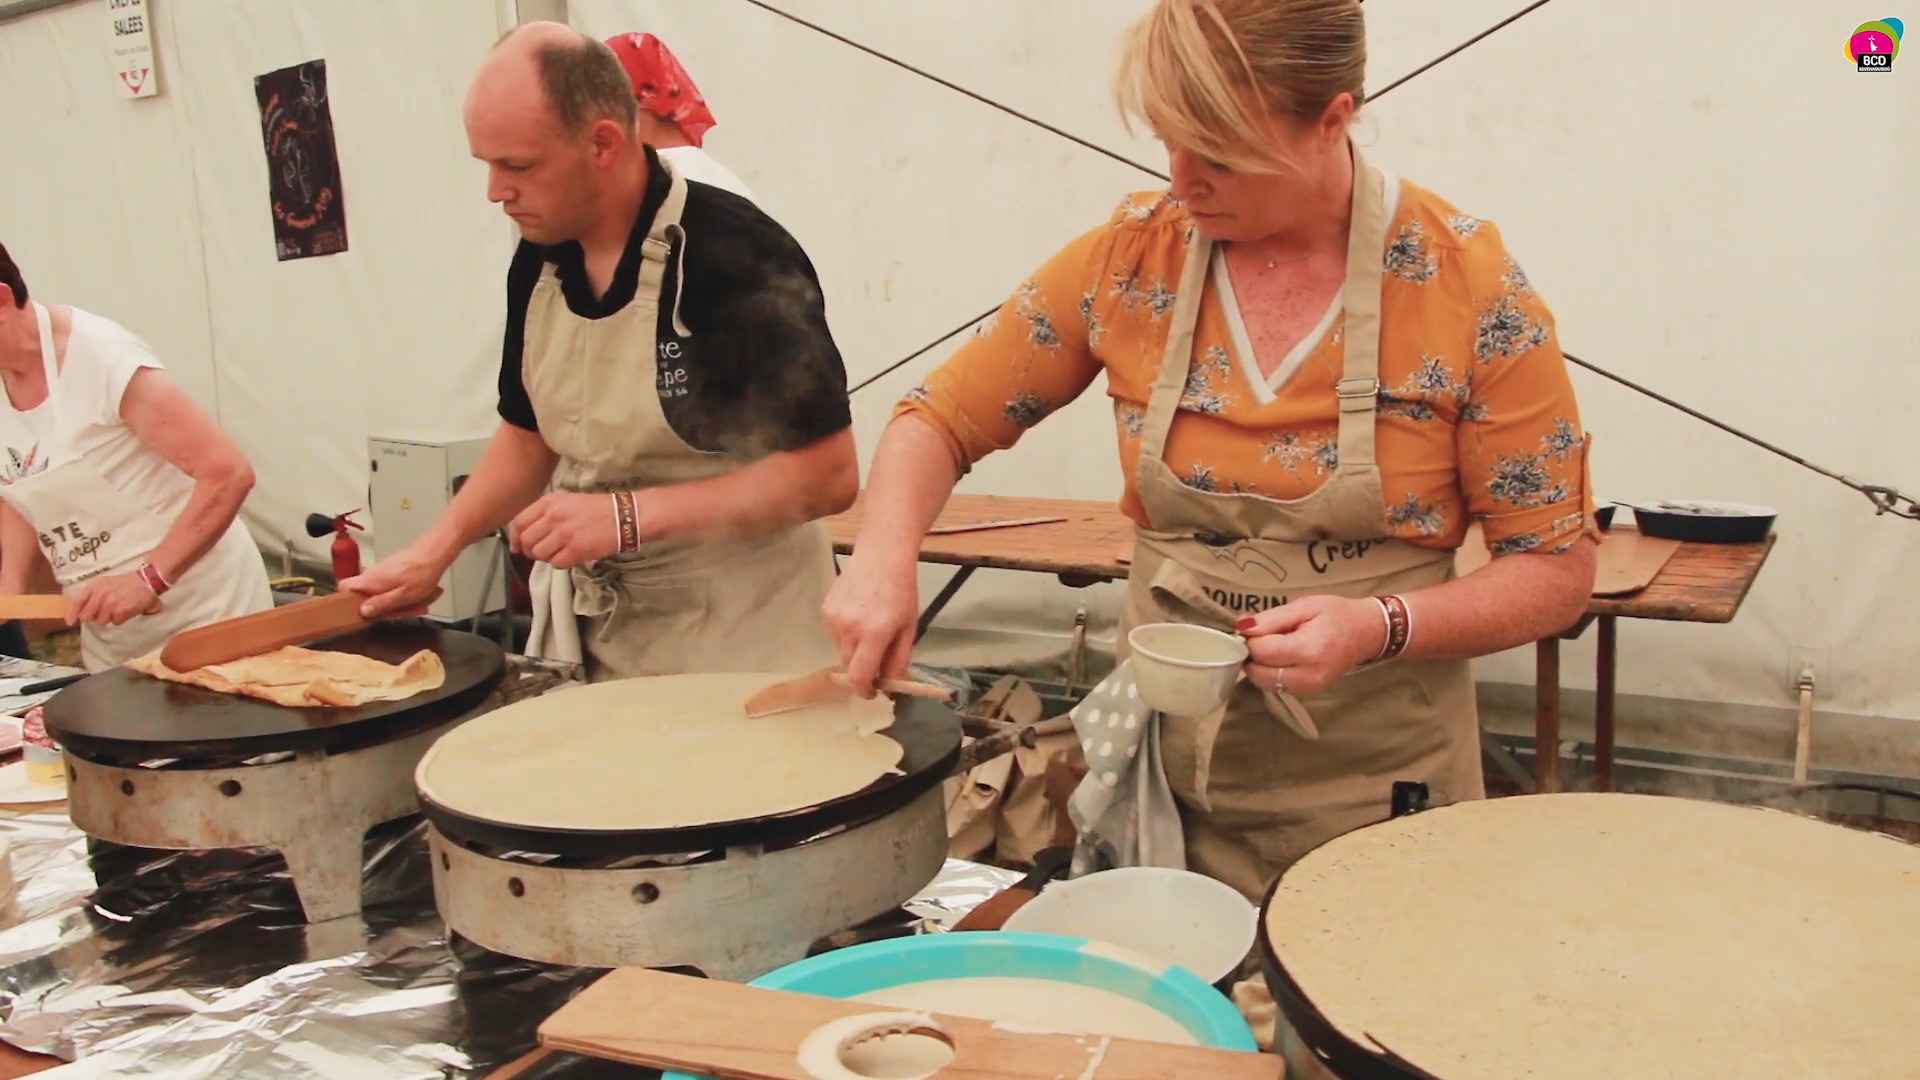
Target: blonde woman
(1321, 375)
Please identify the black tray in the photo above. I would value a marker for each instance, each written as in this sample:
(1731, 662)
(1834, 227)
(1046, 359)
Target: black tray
(1704, 522)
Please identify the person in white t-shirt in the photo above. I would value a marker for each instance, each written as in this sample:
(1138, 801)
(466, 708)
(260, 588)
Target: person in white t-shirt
(674, 118)
(112, 473)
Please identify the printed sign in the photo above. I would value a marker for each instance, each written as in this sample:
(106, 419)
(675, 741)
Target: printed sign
(130, 48)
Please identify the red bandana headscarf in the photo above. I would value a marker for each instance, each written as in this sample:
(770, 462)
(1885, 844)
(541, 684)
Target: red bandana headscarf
(660, 85)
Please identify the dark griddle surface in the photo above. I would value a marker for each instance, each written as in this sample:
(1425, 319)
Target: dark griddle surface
(120, 714)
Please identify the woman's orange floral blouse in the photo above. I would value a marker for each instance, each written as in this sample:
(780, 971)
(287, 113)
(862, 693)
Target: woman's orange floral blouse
(1477, 416)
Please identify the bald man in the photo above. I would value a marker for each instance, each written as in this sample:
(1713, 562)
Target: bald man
(674, 416)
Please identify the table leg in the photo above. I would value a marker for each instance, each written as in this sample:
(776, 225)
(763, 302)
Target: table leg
(1546, 716)
(940, 601)
(1603, 709)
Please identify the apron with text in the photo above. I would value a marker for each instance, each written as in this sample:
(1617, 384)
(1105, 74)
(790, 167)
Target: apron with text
(1273, 775)
(676, 606)
(87, 528)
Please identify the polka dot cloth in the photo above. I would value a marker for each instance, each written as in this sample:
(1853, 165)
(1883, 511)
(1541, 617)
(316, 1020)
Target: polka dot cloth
(1123, 808)
(1109, 723)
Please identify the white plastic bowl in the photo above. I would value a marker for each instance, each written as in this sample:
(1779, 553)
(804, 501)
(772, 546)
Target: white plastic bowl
(1175, 916)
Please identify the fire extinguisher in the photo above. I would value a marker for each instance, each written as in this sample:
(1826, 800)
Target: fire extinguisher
(345, 549)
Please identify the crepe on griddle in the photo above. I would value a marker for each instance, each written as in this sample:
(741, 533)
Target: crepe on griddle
(304, 678)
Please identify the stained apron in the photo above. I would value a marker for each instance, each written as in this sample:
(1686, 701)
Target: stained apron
(677, 605)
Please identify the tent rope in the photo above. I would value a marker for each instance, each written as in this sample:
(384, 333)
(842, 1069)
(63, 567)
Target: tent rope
(1886, 500)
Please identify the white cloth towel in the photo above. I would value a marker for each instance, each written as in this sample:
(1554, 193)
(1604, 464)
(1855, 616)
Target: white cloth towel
(1124, 808)
(555, 634)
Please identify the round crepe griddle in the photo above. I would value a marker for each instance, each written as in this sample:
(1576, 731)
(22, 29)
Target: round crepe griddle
(1607, 946)
(120, 714)
(927, 730)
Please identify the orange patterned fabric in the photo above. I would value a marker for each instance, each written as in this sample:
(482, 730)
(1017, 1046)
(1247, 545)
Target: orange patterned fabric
(1477, 418)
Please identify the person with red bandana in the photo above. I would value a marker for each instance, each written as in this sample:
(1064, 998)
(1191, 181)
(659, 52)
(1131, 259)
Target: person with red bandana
(674, 118)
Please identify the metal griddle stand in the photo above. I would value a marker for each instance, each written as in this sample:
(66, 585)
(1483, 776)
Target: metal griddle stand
(159, 765)
(732, 901)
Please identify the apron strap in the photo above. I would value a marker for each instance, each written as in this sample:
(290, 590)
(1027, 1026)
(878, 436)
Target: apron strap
(48, 360)
(1170, 381)
(1359, 385)
(658, 246)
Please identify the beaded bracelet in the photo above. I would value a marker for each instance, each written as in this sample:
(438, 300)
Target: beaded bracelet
(150, 574)
(626, 520)
(1399, 626)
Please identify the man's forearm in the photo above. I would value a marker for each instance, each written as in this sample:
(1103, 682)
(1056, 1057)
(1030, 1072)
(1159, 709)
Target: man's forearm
(777, 492)
(1512, 601)
(512, 472)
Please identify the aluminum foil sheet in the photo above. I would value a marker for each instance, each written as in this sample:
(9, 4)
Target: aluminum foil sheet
(134, 962)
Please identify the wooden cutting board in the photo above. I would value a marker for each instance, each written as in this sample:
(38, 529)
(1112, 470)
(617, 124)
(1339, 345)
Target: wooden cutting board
(1628, 561)
(737, 1032)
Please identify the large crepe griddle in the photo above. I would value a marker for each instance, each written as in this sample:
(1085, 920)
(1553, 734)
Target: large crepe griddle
(121, 714)
(927, 730)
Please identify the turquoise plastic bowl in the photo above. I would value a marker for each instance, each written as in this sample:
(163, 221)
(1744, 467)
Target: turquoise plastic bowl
(1207, 1014)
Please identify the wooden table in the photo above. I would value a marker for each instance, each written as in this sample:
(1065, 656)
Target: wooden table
(1703, 583)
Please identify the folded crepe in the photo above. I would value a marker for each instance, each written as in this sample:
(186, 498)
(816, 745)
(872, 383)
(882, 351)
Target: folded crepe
(309, 678)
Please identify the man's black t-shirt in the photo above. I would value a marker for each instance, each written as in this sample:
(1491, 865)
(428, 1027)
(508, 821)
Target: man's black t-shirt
(758, 372)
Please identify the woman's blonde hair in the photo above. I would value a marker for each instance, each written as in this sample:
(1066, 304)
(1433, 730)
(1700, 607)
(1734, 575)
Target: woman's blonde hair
(1207, 75)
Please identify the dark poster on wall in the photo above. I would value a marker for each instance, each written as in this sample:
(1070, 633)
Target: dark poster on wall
(303, 172)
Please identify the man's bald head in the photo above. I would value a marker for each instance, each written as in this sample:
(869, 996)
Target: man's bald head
(578, 77)
(551, 113)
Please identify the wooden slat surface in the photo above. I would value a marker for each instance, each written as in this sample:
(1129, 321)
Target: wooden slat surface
(1700, 583)
(1090, 542)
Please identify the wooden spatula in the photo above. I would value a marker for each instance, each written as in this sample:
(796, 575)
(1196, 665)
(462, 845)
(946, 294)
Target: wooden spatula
(825, 686)
(737, 1032)
(33, 606)
(265, 631)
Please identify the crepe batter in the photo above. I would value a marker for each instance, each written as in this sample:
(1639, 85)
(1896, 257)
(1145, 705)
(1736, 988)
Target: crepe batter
(656, 752)
(1607, 935)
(299, 677)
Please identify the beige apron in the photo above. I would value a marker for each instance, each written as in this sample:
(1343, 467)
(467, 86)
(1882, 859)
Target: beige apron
(677, 606)
(1271, 777)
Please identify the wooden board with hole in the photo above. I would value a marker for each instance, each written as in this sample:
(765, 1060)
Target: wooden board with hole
(708, 1027)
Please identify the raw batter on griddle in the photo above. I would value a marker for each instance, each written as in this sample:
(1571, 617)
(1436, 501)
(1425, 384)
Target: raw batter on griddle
(666, 752)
